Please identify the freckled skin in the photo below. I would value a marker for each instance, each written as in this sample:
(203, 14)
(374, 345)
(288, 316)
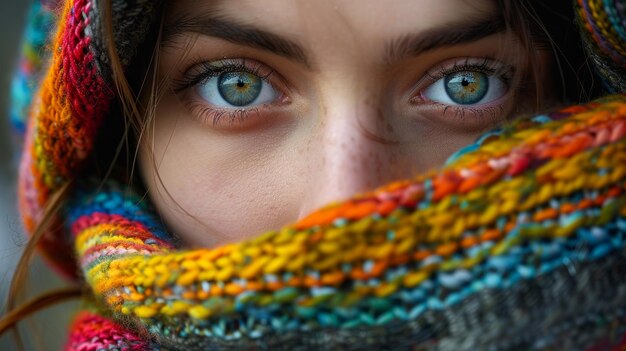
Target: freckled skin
(348, 127)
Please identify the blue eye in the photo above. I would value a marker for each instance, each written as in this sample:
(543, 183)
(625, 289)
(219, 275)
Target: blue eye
(466, 88)
(239, 88)
(236, 89)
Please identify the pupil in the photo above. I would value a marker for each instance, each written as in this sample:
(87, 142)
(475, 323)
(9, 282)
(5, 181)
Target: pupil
(240, 83)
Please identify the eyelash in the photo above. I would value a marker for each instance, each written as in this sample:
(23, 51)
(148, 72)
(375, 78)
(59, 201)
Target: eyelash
(202, 71)
(208, 70)
(487, 66)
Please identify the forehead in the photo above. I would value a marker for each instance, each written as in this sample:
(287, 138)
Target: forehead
(323, 20)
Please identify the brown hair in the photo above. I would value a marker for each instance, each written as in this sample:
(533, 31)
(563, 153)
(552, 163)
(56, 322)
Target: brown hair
(542, 28)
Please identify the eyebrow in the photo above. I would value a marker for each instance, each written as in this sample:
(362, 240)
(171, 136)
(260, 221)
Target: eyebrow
(237, 33)
(447, 35)
(409, 45)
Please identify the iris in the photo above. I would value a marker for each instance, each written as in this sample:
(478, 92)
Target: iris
(239, 88)
(466, 87)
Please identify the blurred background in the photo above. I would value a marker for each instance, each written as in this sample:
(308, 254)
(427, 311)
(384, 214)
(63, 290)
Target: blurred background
(47, 329)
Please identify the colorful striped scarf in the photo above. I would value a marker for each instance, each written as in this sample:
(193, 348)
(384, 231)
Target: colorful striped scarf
(517, 243)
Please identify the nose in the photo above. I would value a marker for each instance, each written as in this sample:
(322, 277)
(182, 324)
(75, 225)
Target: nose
(348, 154)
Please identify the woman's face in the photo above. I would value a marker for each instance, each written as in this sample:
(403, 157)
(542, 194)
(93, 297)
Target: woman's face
(274, 108)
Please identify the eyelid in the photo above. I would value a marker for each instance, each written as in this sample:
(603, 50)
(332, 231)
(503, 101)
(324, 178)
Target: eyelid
(206, 113)
(465, 118)
(486, 65)
(202, 70)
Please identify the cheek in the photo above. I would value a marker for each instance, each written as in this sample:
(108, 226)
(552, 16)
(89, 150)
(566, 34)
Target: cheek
(212, 188)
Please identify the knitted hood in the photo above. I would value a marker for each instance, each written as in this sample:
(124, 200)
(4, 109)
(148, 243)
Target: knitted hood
(478, 255)
(72, 97)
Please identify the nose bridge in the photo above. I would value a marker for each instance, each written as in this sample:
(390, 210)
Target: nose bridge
(347, 159)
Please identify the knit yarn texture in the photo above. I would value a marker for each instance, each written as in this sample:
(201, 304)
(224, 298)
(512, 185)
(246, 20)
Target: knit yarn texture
(517, 243)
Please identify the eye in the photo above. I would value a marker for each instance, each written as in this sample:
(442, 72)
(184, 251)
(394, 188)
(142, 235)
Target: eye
(466, 88)
(236, 89)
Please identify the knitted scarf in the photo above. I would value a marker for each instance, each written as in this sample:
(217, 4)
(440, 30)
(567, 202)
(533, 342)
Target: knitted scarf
(517, 243)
